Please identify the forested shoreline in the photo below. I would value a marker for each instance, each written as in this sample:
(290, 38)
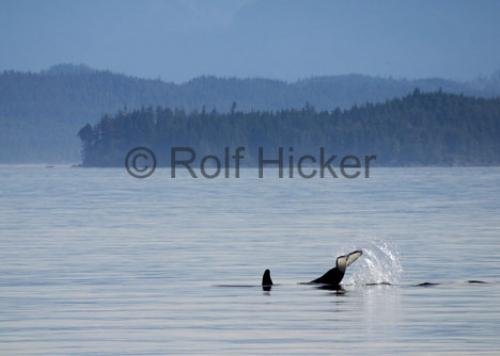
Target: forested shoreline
(419, 129)
(40, 112)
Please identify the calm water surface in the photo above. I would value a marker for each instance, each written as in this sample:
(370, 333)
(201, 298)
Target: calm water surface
(93, 261)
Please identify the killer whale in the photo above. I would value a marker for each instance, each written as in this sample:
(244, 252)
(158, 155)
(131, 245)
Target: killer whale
(335, 275)
(330, 279)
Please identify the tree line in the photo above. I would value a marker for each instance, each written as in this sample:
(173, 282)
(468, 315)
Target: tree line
(419, 129)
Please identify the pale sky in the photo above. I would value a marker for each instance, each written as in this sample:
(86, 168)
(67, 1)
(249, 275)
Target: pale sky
(284, 39)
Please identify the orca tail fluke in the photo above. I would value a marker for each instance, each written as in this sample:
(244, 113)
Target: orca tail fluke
(353, 256)
(334, 276)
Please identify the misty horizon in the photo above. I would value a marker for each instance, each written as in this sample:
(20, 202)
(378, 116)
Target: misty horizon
(178, 41)
(65, 68)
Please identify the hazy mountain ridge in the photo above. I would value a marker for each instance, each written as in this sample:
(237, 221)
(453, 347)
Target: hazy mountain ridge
(40, 113)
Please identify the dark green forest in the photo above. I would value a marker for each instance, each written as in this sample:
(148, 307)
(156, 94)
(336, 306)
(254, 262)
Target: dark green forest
(41, 112)
(419, 129)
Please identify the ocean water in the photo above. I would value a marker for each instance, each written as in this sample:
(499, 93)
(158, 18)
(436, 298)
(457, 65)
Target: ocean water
(93, 261)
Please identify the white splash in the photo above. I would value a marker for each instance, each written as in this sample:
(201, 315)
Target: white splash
(380, 263)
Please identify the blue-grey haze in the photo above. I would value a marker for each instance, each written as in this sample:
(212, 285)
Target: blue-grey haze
(178, 40)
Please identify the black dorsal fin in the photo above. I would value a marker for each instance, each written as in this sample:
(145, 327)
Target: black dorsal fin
(266, 278)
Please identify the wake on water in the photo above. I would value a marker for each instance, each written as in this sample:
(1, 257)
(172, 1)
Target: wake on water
(380, 264)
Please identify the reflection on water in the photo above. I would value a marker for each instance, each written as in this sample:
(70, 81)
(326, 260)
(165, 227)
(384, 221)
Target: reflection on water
(93, 261)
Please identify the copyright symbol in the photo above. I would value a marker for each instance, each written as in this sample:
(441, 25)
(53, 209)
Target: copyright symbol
(140, 162)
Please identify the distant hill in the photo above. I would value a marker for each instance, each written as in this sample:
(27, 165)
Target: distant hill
(419, 129)
(40, 113)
